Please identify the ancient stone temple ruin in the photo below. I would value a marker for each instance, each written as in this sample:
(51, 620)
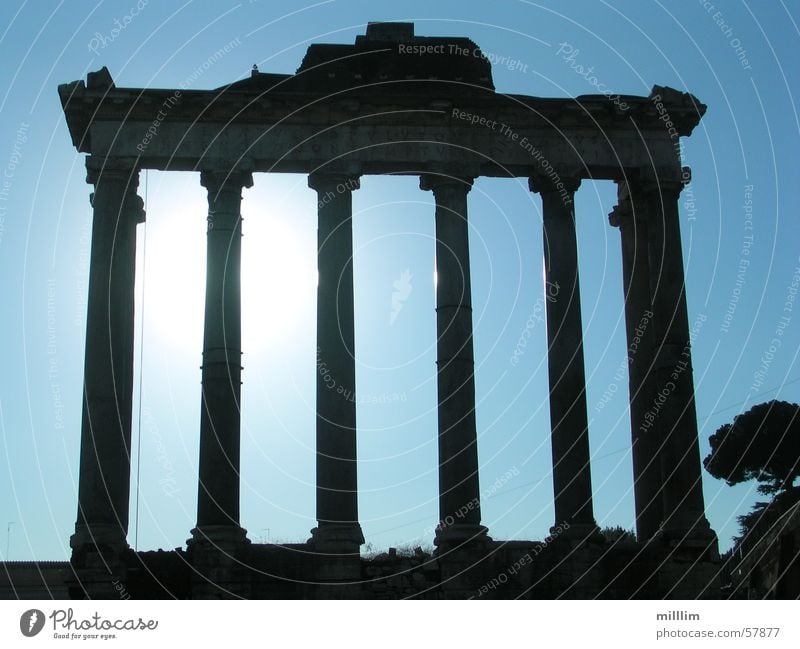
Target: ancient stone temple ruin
(395, 103)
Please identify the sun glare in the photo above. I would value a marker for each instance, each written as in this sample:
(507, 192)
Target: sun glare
(278, 270)
(279, 278)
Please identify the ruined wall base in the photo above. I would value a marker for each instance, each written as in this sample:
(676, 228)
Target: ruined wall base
(560, 569)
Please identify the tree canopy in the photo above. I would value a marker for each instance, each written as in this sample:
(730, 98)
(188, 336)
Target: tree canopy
(762, 444)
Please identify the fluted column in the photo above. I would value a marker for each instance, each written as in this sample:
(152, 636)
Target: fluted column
(572, 482)
(220, 418)
(459, 489)
(104, 480)
(673, 404)
(645, 440)
(338, 530)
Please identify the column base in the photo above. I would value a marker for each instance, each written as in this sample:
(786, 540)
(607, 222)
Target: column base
(688, 562)
(461, 552)
(337, 538)
(98, 561)
(690, 533)
(217, 554)
(576, 533)
(454, 537)
(100, 538)
(220, 537)
(686, 525)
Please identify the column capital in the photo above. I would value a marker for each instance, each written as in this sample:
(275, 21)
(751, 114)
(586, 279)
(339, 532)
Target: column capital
(542, 184)
(118, 170)
(225, 179)
(435, 182)
(656, 180)
(622, 214)
(336, 182)
(122, 179)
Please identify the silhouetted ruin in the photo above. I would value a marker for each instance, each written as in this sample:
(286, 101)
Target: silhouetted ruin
(395, 103)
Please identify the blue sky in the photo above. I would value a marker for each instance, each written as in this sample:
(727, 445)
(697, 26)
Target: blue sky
(744, 149)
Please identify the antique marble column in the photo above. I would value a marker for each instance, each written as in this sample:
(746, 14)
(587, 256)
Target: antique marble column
(338, 530)
(459, 489)
(572, 482)
(104, 481)
(218, 489)
(673, 406)
(645, 444)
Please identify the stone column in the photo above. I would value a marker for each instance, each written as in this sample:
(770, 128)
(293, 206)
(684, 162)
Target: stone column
(572, 482)
(459, 489)
(645, 440)
(673, 404)
(105, 458)
(220, 418)
(338, 530)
